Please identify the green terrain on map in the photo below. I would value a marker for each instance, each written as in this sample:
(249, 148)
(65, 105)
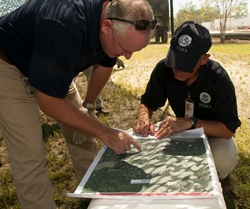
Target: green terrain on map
(163, 166)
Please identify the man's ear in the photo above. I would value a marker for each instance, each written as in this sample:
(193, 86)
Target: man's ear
(106, 26)
(205, 59)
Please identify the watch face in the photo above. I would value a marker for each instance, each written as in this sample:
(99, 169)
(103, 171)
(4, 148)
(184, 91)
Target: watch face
(194, 121)
(88, 105)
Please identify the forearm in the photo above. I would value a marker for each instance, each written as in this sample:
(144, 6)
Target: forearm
(215, 129)
(64, 112)
(144, 112)
(97, 80)
(171, 125)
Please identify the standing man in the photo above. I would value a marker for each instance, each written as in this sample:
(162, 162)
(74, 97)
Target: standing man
(201, 94)
(43, 46)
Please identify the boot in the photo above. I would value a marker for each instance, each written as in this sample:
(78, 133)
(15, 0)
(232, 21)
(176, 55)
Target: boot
(102, 110)
(226, 187)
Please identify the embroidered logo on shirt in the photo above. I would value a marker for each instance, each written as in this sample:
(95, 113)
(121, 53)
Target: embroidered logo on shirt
(205, 97)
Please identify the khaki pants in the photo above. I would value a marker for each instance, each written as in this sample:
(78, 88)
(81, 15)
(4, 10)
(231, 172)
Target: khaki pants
(21, 129)
(98, 103)
(225, 155)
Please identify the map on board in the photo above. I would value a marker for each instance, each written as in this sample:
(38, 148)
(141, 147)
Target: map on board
(164, 167)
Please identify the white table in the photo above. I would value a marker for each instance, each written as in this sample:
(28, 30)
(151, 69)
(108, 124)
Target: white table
(155, 204)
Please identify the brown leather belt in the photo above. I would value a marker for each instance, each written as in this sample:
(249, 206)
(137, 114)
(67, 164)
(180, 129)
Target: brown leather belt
(4, 57)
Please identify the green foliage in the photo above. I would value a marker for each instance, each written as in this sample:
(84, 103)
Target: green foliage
(188, 11)
(208, 13)
(227, 8)
(240, 175)
(8, 196)
(52, 130)
(160, 8)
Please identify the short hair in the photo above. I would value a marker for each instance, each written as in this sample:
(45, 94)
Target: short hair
(128, 9)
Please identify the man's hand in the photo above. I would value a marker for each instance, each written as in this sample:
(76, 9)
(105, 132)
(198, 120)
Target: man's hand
(144, 127)
(64, 112)
(92, 114)
(119, 141)
(171, 125)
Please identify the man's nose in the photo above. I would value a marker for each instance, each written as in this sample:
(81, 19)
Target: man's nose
(127, 55)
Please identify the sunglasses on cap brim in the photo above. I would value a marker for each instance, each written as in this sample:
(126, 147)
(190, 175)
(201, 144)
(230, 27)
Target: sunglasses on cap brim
(139, 24)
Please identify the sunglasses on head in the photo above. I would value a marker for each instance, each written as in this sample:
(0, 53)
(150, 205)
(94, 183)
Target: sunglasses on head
(139, 24)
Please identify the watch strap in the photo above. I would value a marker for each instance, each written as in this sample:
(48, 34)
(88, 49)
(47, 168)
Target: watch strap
(194, 122)
(87, 105)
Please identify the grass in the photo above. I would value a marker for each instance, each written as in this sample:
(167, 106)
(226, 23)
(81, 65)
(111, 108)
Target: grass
(233, 52)
(240, 175)
(121, 96)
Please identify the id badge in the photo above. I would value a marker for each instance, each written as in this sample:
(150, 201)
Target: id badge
(30, 89)
(189, 108)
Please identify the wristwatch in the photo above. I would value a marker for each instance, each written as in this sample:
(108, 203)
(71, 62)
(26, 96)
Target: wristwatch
(87, 105)
(194, 122)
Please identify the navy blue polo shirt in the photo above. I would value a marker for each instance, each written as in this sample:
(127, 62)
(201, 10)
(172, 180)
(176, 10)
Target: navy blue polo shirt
(51, 41)
(213, 93)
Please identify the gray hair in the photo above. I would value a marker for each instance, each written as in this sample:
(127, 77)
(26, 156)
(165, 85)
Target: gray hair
(128, 9)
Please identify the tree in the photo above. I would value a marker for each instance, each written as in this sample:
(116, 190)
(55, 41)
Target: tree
(224, 9)
(188, 11)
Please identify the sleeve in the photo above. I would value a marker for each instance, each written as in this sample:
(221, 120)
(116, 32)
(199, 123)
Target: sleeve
(155, 95)
(225, 104)
(108, 62)
(55, 53)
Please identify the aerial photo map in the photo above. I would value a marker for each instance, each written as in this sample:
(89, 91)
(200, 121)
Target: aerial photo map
(164, 167)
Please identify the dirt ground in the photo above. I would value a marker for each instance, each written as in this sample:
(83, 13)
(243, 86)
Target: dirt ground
(239, 73)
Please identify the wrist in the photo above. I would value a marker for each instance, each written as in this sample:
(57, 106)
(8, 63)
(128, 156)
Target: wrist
(194, 122)
(90, 106)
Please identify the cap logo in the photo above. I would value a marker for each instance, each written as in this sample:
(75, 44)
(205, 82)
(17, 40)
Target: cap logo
(185, 40)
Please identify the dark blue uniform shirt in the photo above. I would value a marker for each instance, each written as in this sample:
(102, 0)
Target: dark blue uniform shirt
(213, 93)
(51, 41)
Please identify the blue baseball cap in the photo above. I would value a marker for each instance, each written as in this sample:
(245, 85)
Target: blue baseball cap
(189, 42)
